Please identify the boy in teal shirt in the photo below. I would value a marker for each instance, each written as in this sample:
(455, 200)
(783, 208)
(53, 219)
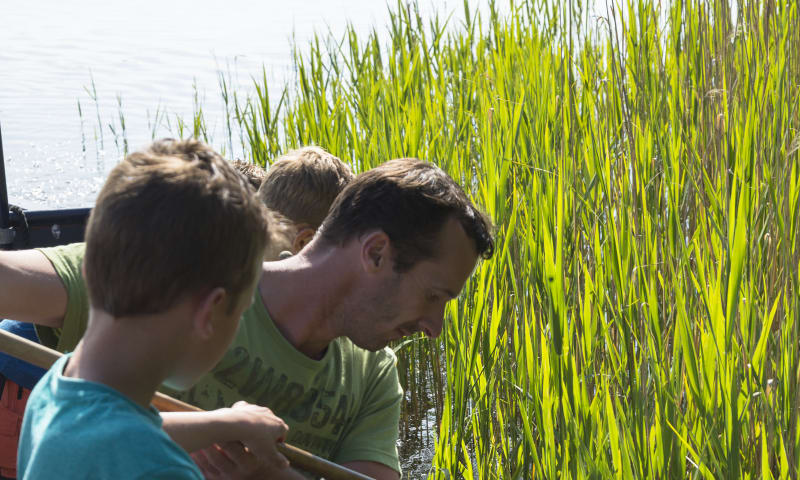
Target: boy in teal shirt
(165, 301)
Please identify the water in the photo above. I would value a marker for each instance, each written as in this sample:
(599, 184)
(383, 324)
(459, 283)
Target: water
(144, 57)
(145, 61)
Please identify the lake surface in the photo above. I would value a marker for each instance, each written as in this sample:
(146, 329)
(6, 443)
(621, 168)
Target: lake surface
(143, 57)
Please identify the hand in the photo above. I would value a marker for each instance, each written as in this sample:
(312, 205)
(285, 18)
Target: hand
(253, 453)
(232, 461)
(227, 461)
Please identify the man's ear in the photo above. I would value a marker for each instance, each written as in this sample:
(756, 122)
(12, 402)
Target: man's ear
(301, 239)
(375, 251)
(209, 306)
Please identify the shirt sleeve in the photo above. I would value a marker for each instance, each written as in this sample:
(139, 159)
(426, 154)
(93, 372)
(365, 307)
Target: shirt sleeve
(373, 436)
(67, 261)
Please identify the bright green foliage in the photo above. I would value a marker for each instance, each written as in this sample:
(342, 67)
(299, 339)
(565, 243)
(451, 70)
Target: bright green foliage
(640, 316)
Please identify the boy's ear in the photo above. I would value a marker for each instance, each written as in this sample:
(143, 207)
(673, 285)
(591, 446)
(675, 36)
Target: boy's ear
(301, 239)
(375, 251)
(208, 307)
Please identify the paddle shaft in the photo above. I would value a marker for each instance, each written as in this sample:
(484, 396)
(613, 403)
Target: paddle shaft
(44, 357)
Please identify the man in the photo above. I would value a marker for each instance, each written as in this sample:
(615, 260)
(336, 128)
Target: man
(399, 242)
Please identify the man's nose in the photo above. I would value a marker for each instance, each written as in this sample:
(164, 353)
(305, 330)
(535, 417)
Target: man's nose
(431, 325)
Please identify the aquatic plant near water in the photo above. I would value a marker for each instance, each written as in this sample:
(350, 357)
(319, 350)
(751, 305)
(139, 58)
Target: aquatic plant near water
(640, 316)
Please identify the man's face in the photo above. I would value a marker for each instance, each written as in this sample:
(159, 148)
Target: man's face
(397, 305)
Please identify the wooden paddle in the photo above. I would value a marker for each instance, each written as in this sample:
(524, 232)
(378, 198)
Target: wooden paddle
(44, 357)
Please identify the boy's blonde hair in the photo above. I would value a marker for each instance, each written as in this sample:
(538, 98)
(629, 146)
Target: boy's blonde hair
(302, 184)
(254, 173)
(162, 229)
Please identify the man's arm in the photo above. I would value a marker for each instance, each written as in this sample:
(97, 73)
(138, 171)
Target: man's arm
(30, 289)
(376, 470)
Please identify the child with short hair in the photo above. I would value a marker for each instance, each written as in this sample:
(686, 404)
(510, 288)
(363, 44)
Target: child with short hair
(298, 189)
(166, 293)
(253, 173)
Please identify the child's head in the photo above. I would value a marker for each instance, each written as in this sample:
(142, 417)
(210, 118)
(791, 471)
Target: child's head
(299, 189)
(161, 231)
(254, 173)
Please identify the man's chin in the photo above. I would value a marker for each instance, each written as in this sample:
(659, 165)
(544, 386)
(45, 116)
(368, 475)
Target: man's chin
(378, 348)
(373, 346)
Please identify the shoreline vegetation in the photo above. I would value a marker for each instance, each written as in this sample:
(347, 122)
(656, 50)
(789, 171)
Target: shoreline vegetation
(640, 316)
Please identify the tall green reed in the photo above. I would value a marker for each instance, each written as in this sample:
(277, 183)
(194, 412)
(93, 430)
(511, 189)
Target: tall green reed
(640, 316)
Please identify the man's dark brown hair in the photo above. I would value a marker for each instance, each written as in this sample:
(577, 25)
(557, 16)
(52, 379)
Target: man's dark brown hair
(302, 185)
(409, 200)
(163, 226)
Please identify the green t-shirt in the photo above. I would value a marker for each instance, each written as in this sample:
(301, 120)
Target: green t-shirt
(344, 407)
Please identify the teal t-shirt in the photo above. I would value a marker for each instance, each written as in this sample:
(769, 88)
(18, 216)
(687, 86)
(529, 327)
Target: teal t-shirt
(344, 407)
(74, 428)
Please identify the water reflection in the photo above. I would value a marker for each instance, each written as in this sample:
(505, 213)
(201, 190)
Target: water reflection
(143, 56)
